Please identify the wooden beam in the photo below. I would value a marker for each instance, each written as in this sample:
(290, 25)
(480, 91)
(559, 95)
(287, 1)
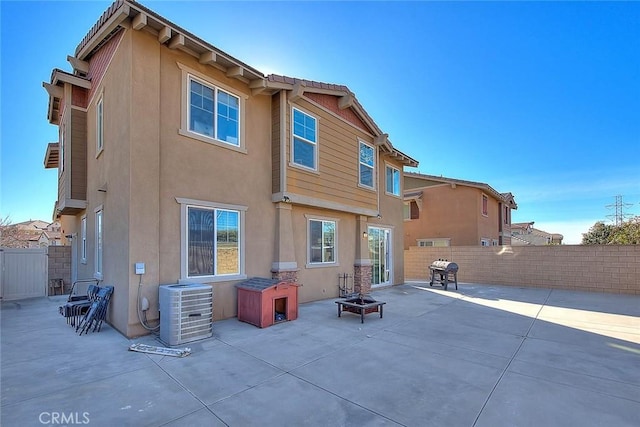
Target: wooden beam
(176, 41)
(345, 102)
(235, 72)
(381, 139)
(164, 34)
(208, 58)
(78, 65)
(139, 22)
(297, 92)
(54, 91)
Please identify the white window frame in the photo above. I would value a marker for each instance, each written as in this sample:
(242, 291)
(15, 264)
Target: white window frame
(99, 243)
(303, 139)
(99, 125)
(482, 199)
(185, 204)
(373, 167)
(434, 242)
(333, 263)
(485, 242)
(390, 191)
(83, 239)
(187, 75)
(63, 129)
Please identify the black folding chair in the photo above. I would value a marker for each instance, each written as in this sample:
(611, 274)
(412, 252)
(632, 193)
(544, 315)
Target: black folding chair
(78, 305)
(97, 312)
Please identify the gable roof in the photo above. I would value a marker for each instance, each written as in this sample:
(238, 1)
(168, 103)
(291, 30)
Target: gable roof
(347, 99)
(503, 197)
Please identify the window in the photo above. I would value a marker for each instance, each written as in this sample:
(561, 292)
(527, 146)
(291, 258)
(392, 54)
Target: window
(393, 181)
(434, 242)
(99, 243)
(83, 239)
(213, 112)
(406, 210)
(411, 210)
(506, 214)
(62, 131)
(367, 165)
(99, 127)
(305, 137)
(322, 238)
(485, 242)
(212, 245)
(485, 205)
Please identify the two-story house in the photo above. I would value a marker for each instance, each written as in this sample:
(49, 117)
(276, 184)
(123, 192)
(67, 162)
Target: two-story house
(173, 153)
(442, 211)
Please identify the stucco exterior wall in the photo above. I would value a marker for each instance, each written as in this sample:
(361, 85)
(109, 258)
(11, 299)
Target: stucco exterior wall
(598, 268)
(455, 213)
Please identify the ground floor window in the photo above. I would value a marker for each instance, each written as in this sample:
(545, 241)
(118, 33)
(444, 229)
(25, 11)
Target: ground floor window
(212, 240)
(322, 241)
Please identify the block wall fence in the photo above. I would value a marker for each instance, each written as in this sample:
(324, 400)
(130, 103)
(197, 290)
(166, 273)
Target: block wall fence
(60, 264)
(596, 268)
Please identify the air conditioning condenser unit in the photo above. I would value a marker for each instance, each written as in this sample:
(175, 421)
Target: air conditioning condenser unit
(186, 313)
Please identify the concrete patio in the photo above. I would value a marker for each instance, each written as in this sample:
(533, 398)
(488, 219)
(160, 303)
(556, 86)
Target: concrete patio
(479, 356)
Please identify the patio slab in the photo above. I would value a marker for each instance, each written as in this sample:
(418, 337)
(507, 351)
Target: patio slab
(479, 356)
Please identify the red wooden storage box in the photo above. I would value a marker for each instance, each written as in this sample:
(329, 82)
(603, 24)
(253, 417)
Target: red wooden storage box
(263, 302)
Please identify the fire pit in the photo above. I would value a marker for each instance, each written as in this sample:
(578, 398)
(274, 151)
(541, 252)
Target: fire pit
(360, 304)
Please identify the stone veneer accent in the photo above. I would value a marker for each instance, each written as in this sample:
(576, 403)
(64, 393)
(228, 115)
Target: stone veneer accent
(285, 275)
(362, 276)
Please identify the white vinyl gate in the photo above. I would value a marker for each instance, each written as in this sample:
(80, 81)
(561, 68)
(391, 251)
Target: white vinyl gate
(23, 273)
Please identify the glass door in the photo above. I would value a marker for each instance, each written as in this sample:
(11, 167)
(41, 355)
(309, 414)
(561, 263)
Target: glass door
(380, 255)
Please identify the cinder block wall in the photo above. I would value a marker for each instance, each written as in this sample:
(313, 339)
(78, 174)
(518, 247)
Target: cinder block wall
(60, 264)
(599, 268)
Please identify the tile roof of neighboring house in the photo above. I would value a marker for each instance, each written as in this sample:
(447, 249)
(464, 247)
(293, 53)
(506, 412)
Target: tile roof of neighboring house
(504, 197)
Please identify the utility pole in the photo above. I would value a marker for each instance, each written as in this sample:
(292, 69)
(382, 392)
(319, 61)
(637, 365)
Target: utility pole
(619, 217)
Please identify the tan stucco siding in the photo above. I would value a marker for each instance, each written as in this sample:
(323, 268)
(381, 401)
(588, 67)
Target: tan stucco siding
(78, 152)
(192, 169)
(337, 177)
(319, 282)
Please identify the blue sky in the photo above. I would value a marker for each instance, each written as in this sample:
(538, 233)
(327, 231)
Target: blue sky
(541, 99)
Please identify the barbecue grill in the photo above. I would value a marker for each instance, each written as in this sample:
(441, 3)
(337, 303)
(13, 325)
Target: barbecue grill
(443, 271)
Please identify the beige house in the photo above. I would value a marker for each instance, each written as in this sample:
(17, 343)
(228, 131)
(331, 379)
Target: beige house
(443, 211)
(524, 234)
(174, 154)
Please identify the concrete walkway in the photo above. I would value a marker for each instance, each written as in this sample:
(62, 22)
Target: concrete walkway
(479, 356)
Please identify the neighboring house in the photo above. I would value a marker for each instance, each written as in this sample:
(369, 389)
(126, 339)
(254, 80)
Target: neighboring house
(31, 234)
(443, 211)
(176, 154)
(524, 234)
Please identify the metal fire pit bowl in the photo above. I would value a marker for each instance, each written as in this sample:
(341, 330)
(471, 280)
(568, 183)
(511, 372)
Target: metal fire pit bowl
(361, 304)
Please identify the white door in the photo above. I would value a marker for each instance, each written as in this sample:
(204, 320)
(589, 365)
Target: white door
(380, 255)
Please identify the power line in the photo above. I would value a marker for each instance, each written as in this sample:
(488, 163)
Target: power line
(619, 217)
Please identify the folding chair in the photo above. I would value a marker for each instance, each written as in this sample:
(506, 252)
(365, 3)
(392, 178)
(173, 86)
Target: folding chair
(78, 305)
(97, 312)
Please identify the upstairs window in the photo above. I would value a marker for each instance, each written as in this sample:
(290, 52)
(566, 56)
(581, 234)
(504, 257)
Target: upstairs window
(485, 205)
(305, 137)
(99, 126)
(393, 181)
(213, 112)
(367, 165)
